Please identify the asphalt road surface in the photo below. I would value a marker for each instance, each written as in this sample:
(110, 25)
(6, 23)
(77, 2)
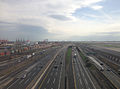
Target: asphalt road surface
(82, 79)
(53, 77)
(20, 82)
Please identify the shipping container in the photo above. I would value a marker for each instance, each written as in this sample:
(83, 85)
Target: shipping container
(7, 53)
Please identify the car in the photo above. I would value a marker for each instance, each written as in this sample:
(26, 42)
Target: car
(60, 62)
(19, 60)
(33, 54)
(28, 56)
(101, 63)
(43, 50)
(73, 61)
(108, 69)
(119, 71)
(41, 67)
(23, 76)
(55, 66)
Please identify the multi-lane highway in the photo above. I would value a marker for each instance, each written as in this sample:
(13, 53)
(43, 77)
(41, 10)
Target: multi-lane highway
(53, 77)
(22, 82)
(107, 71)
(47, 70)
(9, 63)
(27, 74)
(82, 79)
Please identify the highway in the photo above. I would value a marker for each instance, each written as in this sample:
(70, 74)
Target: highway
(109, 53)
(47, 71)
(21, 83)
(105, 69)
(15, 61)
(53, 77)
(82, 79)
(10, 63)
(115, 80)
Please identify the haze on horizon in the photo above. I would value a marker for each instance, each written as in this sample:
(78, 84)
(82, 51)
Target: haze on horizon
(76, 20)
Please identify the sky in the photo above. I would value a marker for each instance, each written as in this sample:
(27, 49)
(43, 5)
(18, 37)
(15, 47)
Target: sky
(60, 20)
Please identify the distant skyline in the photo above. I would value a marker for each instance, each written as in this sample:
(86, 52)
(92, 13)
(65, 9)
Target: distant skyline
(76, 20)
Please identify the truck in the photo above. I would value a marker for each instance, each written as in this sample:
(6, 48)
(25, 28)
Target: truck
(28, 56)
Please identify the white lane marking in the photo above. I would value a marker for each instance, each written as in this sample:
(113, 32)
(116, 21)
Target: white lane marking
(37, 81)
(12, 84)
(29, 73)
(86, 81)
(80, 81)
(54, 80)
(83, 74)
(26, 81)
(60, 77)
(21, 81)
(48, 80)
(33, 74)
(86, 72)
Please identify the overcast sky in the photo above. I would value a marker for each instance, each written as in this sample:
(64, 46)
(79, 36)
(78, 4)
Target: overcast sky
(60, 19)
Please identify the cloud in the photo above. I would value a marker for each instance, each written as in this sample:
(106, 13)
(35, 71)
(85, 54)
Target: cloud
(96, 7)
(61, 9)
(52, 17)
(60, 17)
(13, 31)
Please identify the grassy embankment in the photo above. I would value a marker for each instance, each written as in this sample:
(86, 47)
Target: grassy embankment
(87, 62)
(68, 56)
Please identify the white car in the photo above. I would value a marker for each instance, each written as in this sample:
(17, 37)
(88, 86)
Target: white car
(23, 76)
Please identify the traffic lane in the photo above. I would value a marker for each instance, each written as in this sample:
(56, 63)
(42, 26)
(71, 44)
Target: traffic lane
(29, 77)
(62, 73)
(32, 77)
(34, 62)
(52, 76)
(80, 77)
(26, 81)
(57, 79)
(84, 72)
(115, 80)
(45, 73)
(48, 80)
(77, 77)
(51, 80)
(9, 64)
(90, 82)
(85, 76)
(21, 83)
(18, 60)
(108, 51)
(109, 74)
